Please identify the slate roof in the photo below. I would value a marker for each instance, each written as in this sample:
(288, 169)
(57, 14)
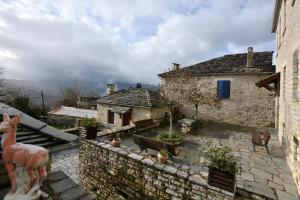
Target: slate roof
(132, 97)
(230, 64)
(74, 112)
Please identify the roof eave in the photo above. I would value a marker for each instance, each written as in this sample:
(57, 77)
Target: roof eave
(216, 74)
(126, 105)
(276, 15)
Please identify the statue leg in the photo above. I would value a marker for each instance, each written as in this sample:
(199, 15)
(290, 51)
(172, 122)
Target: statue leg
(42, 174)
(32, 177)
(11, 173)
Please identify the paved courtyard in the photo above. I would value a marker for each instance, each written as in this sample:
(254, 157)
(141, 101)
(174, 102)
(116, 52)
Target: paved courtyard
(68, 162)
(264, 173)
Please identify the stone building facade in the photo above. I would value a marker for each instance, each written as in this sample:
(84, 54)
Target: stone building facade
(286, 26)
(245, 104)
(124, 107)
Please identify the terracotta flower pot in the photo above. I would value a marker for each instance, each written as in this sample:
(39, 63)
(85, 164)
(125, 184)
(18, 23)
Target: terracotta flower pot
(162, 159)
(116, 142)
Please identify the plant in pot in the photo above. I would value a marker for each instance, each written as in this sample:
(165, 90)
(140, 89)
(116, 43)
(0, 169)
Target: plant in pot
(116, 142)
(91, 126)
(163, 156)
(223, 168)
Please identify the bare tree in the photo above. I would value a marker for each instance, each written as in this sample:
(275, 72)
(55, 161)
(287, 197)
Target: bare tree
(70, 95)
(182, 88)
(169, 94)
(200, 94)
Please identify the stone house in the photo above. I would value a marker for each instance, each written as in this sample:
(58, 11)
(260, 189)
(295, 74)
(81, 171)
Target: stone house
(124, 107)
(233, 79)
(286, 26)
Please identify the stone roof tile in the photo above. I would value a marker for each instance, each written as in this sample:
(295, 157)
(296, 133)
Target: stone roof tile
(233, 63)
(133, 97)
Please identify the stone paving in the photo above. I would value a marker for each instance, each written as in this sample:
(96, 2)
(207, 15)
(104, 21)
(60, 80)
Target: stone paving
(264, 173)
(68, 162)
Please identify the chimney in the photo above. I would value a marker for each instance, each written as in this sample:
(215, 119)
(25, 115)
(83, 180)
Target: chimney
(175, 66)
(250, 56)
(110, 88)
(138, 85)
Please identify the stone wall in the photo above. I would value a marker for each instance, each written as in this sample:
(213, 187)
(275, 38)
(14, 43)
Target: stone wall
(102, 116)
(288, 104)
(248, 105)
(137, 114)
(117, 173)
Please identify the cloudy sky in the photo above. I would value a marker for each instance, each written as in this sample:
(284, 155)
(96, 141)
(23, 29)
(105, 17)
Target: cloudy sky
(128, 40)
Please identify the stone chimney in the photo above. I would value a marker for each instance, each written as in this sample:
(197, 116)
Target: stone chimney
(175, 66)
(138, 85)
(250, 56)
(110, 88)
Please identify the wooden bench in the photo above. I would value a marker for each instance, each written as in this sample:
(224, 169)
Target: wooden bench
(145, 124)
(261, 140)
(145, 143)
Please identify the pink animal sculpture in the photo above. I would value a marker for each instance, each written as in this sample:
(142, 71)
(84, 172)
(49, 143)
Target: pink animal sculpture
(33, 158)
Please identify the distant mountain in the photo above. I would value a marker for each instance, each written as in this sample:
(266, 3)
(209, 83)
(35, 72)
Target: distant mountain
(53, 89)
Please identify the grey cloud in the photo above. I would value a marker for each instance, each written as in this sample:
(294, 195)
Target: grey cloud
(83, 40)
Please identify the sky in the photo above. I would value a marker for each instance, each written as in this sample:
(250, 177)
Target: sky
(125, 40)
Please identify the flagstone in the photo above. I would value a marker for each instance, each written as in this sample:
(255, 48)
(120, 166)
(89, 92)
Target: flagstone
(277, 180)
(285, 196)
(291, 189)
(275, 185)
(261, 173)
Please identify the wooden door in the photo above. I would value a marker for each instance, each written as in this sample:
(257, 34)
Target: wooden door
(126, 118)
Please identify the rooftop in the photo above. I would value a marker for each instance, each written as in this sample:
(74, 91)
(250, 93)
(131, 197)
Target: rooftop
(74, 112)
(132, 97)
(230, 64)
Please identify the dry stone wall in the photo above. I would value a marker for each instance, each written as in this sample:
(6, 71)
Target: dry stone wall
(116, 173)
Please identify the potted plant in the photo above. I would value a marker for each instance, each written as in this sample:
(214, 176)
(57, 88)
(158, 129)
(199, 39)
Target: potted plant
(163, 156)
(116, 142)
(223, 168)
(90, 124)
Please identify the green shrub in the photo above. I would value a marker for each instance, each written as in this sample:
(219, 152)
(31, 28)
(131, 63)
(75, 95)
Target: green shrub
(88, 122)
(220, 158)
(176, 138)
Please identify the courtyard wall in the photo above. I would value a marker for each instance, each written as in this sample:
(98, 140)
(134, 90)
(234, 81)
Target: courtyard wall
(116, 173)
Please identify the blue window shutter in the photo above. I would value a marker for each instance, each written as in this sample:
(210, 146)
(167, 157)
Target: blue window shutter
(223, 89)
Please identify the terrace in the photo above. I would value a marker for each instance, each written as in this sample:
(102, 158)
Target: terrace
(263, 173)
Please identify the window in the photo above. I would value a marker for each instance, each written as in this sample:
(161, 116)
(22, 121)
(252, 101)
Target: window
(296, 148)
(223, 89)
(295, 80)
(284, 83)
(110, 117)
